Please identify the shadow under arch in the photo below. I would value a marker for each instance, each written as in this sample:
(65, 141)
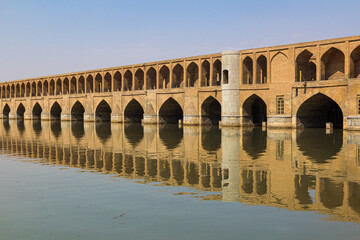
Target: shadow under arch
(319, 146)
(254, 111)
(171, 135)
(210, 111)
(103, 112)
(170, 111)
(55, 111)
(254, 142)
(6, 111)
(77, 112)
(317, 110)
(133, 111)
(134, 133)
(36, 112)
(20, 111)
(211, 138)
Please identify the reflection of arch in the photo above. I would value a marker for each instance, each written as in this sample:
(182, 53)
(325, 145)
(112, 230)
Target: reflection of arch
(103, 131)
(55, 111)
(77, 129)
(354, 198)
(170, 112)
(254, 142)
(305, 67)
(331, 193)
(313, 142)
(171, 135)
(103, 111)
(134, 133)
(134, 111)
(55, 127)
(247, 70)
(210, 111)
(317, 110)
(355, 63)
(210, 138)
(6, 111)
(332, 64)
(303, 183)
(77, 111)
(36, 112)
(20, 111)
(254, 111)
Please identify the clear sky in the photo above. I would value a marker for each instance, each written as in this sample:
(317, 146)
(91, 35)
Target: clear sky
(46, 37)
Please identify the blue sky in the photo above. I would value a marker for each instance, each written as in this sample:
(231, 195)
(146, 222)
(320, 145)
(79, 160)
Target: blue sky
(45, 37)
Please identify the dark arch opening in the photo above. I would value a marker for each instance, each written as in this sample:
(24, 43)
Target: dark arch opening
(171, 135)
(333, 64)
(211, 111)
(77, 112)
(36, 112)
(261, 69)
(192, 74)
(151, 78)
(117, 81)
(139, 79)
(6, 111)
(247, 71)
(170, 112)
(178, 76)
(205, 73)
(55, 111)
(355, 63)
(217, 73)
(305, 68)
(254, 111)
(103, 112)
(254, 142)
(164, 77)
(20, 111)
(107, 82)
(316, 111)
(128, 80)
(134, 112)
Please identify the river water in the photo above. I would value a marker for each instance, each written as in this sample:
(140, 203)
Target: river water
(62, 180)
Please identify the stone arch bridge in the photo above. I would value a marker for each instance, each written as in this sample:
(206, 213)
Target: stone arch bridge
(297, 85)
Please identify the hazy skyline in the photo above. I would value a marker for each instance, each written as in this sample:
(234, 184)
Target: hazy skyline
(40, 38)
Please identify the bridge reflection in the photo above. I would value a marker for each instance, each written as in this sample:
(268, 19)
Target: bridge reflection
(303, 171)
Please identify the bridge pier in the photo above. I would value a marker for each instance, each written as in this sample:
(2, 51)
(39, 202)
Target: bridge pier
(191, 120)
(150, 119)
(89, 117)
(117, 118)
(65, 117)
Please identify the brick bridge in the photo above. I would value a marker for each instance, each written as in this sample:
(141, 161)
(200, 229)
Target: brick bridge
(297, 85)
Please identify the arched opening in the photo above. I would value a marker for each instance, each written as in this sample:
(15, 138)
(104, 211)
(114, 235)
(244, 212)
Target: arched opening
(103, 112)
(17, 93)
(6, 111)
(261, 69)
(305, 67)
(46, 88)
(22, 90)
(247, 71)
(178, 76)
(33, 89)
(39, 88)
(107, 82)
(12, 90)
(20, 111)
(58, 87)
(36, 112)
(128, 80)
(332, 64)
(73, 86)
(89, 84)
(3, 92)
(355, 63)
(66, 87)
(8, 91)
(55, 111)
(52, 87)
(81, 85)
(210, 111)
(98, 83)
(170, 112)
(139, 79)
(151, 78)
(254, 111)
(254, 142)
(192, 74)
(133, 112)
(164, 77)
(205, 73)
(316, 111)
(77, 112)
(117, 81)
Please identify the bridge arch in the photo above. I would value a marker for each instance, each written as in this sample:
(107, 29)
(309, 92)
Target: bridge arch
(66, 86)
(193, 74)
(12, 90)
(205, 73)
(139, 79)
(103, 112)
(247, 66)
(134, 112)
(58, 87)
(20, 111)
(39, 88)
(107, 82)
(210, 111)
(178, 76)
(17, 90)
(254, 110)
(151, 78)
(45, 88)
(305, 67)
(164, 77)
(98, 83)
(33, 89)
(77, 112)
(261, 69)
(3, 92)
(355, 63)
(52, 87)
(89, 84)
(55, 111)
(117, 81)
(128, 76)
(81, 85)
(73, 86)
(317, 110)
(6, 111)
(36, 111)
(170, 111)
(217, 73)
(332, 64)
